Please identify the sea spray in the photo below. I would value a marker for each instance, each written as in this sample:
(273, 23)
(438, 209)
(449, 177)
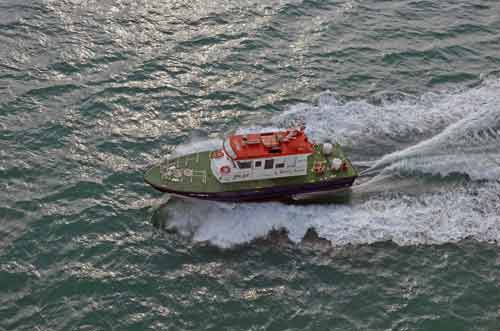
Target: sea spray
(470, 146)
(437, 135)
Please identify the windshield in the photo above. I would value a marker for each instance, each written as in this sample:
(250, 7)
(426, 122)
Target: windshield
(228, 149)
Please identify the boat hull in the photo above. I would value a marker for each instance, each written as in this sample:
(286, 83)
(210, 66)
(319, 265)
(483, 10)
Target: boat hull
(272, 193)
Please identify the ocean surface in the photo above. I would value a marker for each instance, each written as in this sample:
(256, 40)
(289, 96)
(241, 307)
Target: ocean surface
(92, 93)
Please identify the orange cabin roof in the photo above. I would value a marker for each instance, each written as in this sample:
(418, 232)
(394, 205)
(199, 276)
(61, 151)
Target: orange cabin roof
(270, 144)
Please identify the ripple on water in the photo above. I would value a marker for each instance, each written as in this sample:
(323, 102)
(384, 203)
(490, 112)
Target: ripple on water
(91, 93)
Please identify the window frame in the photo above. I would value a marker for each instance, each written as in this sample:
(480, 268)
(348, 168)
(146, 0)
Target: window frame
(247, 164)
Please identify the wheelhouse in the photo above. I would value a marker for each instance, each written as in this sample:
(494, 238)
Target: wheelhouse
(262, 156)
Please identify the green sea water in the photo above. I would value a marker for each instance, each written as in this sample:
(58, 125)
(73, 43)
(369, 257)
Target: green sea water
(92, 93)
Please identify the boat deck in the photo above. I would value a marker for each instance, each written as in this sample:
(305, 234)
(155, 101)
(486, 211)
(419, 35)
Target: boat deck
(191, 173)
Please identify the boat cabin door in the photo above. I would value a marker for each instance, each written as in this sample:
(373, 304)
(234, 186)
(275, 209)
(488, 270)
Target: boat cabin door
(263, 168)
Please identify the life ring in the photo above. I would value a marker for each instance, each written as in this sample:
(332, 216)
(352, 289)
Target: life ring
(216, 155)
(225, 170)
(319, 168)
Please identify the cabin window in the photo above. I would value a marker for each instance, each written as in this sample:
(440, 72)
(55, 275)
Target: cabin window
(280, 165)
(258, 164)
(291, 162)
(245, 165)
(269, 164)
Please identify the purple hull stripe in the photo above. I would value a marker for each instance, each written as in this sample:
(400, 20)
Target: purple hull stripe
(270, 193)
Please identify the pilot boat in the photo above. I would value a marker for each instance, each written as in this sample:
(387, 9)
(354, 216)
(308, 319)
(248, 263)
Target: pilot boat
(265, 166)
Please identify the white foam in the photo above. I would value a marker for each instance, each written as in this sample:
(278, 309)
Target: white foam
(470, 146)
(431, 218)
(444, 134)
(257, 129)
(361, 124)
(197, 145)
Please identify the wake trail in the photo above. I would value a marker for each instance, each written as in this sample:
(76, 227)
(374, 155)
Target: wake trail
(411, 151)
(471, 146)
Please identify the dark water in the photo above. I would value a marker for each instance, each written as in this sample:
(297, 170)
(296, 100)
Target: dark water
(93, 92)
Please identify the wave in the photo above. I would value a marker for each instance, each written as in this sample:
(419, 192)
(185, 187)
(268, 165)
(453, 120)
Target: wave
(386, 123)
(470, 146)
(430, 218)
(197, 145)
(401, 200)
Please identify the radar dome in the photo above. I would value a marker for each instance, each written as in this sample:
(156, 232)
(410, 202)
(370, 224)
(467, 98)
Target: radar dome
(327, 148)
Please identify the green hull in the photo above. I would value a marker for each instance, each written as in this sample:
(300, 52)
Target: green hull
(192, 176)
